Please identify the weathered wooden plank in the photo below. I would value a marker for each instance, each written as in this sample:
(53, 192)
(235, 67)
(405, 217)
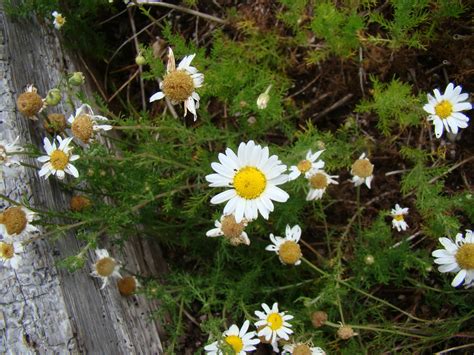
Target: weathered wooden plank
(43, 308)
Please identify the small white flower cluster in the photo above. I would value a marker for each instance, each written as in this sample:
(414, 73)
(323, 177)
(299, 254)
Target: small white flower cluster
(271, 327)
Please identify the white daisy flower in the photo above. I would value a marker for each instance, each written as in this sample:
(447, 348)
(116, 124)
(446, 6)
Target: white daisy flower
(235, 340)
(362, 171)
(457, 256)
(59, 20)
(84, 123)
(398, 220)
(302, 348)
(179, 84)
(318, 182)
(445, 110)
(287, 249)
(253, 177)
(16, 221)
(57, 162)
(10, 253)
(305, 166)
(231, 230)
(273, 325)
(105, 267)
(7, 158)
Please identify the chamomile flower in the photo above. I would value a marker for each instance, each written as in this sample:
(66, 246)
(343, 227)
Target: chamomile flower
(179, 84)
(6, 151)
(302, 348)
(458, 257)
(105, 267)
(273, 324)
(231, 230)
(305, 166)
(253, 178)
(16, 221)
(10, 253)
(58, 161)
(287, 249)
(239, 341)
(84, 123)
(362, 171)
(29, 103)
(445, 109)
(59, 20)
(398, 220)
(318, 182)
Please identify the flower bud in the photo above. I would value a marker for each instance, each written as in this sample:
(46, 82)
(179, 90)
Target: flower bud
(53, 97)
(263, 98)
(140, 60)
(369, 260)
(77, 79)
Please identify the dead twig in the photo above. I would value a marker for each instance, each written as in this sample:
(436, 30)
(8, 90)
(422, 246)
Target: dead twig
(336, 105)
(137, 49)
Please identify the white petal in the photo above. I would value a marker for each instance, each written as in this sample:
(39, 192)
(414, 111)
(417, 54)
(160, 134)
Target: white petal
(158, 96)
(459, 278)
(223, 196)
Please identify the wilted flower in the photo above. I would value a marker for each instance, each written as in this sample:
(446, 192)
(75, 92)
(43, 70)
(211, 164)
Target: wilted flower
(6, 151)
(318, 182)
(105, 267)
(231, 230)
(84, 123)
(302, 349)
(287, 249)
(346, 332)
(30, 103)
(445, 110)
(55, 123)
(179, 84)
(127, 285)
(16, 221)
(362, 171)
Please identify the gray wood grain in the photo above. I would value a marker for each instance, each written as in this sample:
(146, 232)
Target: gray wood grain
(45, 309)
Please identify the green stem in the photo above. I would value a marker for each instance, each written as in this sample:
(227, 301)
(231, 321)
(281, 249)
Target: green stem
(326, 229)
(314, 267)
(375, 329)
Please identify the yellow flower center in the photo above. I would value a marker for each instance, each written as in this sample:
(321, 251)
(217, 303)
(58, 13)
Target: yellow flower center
(230, 228)
(29, 103)
(60, 20)
(105, 266)
(465, 256)
(398, 217)
(59, 160)
(6, 250)
(14, 219)
(275, 321)
(235, 342)
(362, 168)
(318, 181)
(304, 166)
(301, 349)
(250, 182)
(83, 127)
(290, 252)
(178, 85)
(444, 109)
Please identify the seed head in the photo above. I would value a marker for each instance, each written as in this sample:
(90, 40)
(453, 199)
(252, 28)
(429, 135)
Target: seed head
(345, 332)
(290, 252)
(127, 286)
(230, 228)
(14, 219)
(79, 203)
(29, 103)
(83, 128)
(301, 349)
(56, 123)
(319, 318)
(178, 85)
